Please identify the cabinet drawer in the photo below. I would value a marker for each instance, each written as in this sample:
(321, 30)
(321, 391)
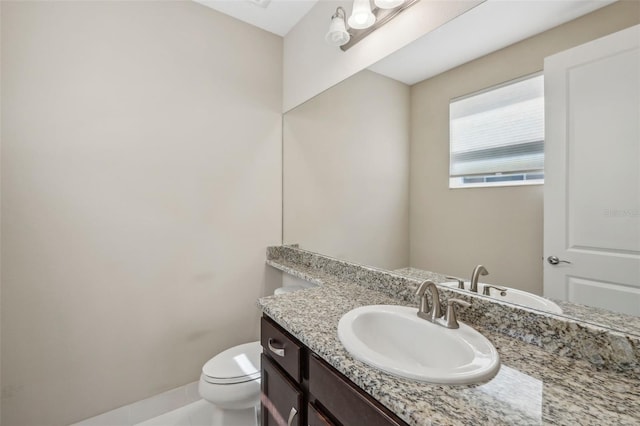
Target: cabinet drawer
(281, 400)
(317, 418)
(284, 349)
(347, 403)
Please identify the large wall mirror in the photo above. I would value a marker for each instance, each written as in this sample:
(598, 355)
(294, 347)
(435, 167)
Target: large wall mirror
(366, 163)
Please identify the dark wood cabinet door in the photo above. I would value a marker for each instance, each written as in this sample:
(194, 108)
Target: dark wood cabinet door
(281, 399)
(347, 403)
(317, 418)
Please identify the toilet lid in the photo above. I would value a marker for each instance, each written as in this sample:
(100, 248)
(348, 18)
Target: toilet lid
(235, 365)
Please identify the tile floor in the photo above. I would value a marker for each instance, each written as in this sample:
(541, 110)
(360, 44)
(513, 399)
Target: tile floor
(197, 413)
(184, 401)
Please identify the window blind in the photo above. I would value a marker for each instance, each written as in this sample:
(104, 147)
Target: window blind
(498, 131)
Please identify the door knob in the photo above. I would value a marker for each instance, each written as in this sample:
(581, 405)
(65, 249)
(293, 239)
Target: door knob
(554, 260)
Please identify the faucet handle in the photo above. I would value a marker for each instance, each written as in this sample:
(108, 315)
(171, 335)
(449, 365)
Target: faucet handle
(451, 320)
(486, 290)
(460, 282)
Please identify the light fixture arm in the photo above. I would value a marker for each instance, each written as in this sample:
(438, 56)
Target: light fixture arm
(340, 13)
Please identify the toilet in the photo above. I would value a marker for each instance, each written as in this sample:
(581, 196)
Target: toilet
(231, 382)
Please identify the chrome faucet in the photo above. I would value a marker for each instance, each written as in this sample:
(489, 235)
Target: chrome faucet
(434, 314)
(477, 271)
(425, 312)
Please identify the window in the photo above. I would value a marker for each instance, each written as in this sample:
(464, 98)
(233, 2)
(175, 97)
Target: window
(497, 136)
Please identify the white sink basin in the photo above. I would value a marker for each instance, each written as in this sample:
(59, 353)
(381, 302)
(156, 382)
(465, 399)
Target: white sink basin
(518, 297)
(395, 340)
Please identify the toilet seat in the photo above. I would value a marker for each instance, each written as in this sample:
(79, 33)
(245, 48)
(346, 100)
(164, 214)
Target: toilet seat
(239, 364)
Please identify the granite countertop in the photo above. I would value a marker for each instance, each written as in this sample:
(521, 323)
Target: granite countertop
(533, 386)
(598, 316)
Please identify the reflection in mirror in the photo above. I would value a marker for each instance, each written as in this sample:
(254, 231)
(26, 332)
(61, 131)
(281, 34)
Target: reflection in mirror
(360, 187)
(346, 172)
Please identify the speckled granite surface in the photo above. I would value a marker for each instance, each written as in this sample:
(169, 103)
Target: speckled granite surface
(628, 324)
(533, 386)
(301, 262)
(603, 348)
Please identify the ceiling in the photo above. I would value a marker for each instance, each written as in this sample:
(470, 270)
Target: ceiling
(488, 27)
(278, 17)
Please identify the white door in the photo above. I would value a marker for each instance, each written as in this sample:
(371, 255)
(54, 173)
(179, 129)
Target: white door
(592, 173)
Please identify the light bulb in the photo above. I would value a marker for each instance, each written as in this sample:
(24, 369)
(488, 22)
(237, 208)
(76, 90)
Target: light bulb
(361, 16)
(388, 4)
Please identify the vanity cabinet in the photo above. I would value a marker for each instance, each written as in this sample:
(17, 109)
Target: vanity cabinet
(299, 388)
(281, 360)
(281, 398)
(343, 400)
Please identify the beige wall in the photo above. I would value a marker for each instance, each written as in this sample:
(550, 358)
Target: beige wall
(453, 230)
(141, 165)
(346, 172)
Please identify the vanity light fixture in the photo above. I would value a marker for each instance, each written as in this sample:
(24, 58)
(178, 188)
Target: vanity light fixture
(363, 20)
(388, 4)
(361, 15)
(338, 35)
